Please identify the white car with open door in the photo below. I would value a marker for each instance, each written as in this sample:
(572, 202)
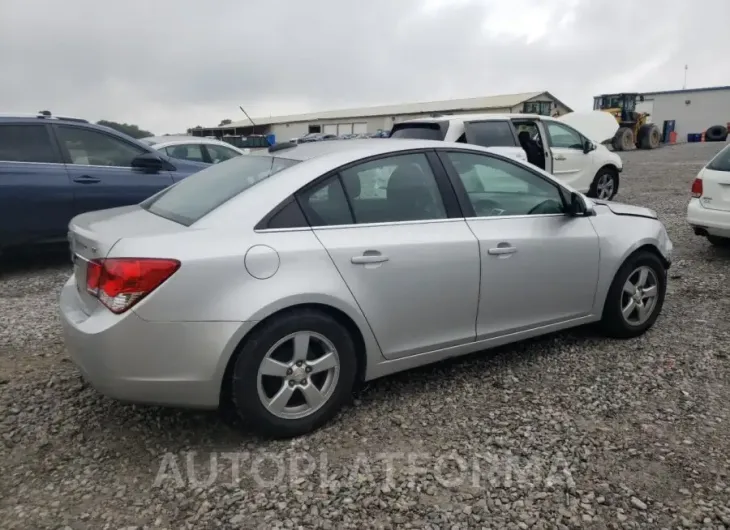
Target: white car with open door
(571, 147)
(708, 212)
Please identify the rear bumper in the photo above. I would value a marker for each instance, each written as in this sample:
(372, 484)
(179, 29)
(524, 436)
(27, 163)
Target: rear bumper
(134, 360)
(705, 221)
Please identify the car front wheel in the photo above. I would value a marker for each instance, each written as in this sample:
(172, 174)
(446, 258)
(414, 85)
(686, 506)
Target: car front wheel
(294, 374)
(636, 296)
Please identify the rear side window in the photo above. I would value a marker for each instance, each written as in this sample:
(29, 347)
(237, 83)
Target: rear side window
(721, 162)
(490, 133)
(202, 192)
(420, 131)
(26, 143)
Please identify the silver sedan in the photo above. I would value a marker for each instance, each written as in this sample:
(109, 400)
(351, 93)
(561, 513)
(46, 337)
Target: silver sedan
(279, 280)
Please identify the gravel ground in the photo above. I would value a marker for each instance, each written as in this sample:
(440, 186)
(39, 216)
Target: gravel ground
(568, 431)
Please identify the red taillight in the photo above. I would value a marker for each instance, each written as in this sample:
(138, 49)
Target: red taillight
(119, 283)
(697, 188)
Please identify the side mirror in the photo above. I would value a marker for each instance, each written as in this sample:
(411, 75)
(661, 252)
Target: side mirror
(149, 163)
(580, 206)
(588, 146)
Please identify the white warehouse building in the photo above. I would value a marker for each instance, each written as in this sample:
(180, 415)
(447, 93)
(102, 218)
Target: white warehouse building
(693, 110)
(382, 118)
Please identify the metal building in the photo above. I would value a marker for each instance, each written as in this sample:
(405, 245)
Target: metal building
(374, 119)
(693, 110)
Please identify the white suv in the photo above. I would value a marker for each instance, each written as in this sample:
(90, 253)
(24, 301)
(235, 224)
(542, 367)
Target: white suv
(570, 147)
(708, 212)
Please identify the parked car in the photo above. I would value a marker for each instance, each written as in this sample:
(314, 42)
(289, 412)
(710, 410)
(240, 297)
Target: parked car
(570, 146)
(708, 212)
(53, 168)
(315, 137)
(281, 280)
(194, 148)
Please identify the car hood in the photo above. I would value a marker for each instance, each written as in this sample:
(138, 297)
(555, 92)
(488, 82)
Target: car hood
(595, 125)
(627, 209)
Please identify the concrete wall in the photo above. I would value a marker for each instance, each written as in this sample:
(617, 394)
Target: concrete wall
(705, 109)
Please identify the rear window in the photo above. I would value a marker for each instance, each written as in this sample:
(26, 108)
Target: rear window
(201, 193)
(420, 131)
(721, 162)
(490, 133)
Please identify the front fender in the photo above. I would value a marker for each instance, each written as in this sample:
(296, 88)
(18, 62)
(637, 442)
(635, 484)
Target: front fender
(620, 237)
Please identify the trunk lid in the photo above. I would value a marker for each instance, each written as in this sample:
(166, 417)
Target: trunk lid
(595, 125)
(92, 236)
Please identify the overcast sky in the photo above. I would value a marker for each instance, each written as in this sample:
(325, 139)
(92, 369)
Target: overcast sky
(168, 65)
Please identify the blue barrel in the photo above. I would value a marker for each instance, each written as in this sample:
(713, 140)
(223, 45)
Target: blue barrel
(271, 138)
(694, 137)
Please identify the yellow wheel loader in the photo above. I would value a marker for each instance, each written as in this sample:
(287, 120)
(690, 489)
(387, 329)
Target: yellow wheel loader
(634, 127)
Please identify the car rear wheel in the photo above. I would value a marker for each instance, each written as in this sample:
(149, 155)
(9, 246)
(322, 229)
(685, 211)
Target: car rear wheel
(294, 374)
(719, 241)
(636, 296)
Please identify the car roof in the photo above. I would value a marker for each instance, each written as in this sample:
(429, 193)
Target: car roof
(362, 148)
(478, 116)
(157, 141)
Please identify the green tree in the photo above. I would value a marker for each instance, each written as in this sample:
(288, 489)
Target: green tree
(127, 128)
(224, 122)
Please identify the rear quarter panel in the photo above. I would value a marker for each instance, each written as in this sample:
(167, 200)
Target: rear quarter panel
(213, 282)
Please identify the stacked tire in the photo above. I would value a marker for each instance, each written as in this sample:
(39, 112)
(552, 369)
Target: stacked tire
(716, 133)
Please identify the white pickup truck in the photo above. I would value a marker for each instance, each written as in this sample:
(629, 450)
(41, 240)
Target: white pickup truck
(570, 147)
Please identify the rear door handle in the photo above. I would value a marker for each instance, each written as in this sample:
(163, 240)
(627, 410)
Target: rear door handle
(368, 258)
(559, 157)
(499, 251)
(86, 179)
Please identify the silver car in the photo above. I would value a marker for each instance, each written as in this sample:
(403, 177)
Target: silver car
(194, 148)
(280, 280)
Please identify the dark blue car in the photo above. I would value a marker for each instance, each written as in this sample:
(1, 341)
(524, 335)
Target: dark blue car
(53, 168)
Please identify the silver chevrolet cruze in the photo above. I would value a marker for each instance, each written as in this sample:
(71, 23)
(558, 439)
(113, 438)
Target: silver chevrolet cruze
(279, 280)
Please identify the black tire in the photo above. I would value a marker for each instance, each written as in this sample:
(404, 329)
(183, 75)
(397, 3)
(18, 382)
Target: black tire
(624, 139)
(718, 241)
(604, 172)
(716, 133)
(244, 384)
(650, 137)
(613, 322)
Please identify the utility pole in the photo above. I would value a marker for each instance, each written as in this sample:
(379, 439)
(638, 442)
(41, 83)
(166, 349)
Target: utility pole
(684, 87)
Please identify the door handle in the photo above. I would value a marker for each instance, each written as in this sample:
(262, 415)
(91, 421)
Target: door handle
(559, 157)
(86, 179)
(500, 251)
(368, 258)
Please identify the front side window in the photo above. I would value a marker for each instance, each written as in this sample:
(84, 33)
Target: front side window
(492, 133)
(218, 153)
(204, 191)
(393, 189)
(563, 136)
(26, 143)
(496, 187)
(92, 148)
(193, 152)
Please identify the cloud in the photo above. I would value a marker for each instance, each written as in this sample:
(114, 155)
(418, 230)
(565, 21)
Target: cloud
(171, 64)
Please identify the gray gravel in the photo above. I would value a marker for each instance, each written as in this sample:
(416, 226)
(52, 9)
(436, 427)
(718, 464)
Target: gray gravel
(569, 431)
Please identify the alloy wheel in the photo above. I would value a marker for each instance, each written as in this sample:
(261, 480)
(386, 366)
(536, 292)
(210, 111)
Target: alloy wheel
(605, 186)
(639, 296)
(298, 375)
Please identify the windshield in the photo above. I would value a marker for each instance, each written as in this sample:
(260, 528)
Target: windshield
(721, 162)
(419, 131)
(201, 193)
